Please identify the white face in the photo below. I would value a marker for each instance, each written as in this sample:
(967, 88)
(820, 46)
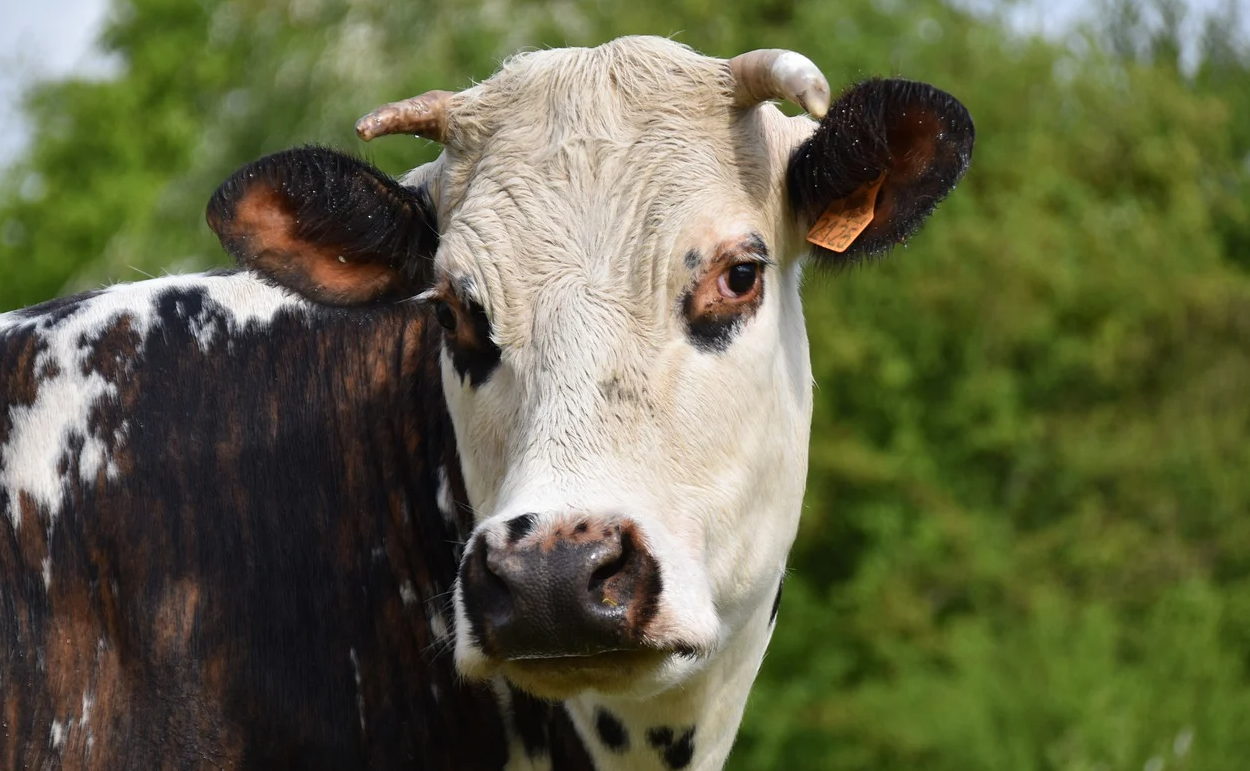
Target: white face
(596, 259)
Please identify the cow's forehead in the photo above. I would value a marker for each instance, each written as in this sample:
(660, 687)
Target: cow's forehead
(603, 168)
(605, 93)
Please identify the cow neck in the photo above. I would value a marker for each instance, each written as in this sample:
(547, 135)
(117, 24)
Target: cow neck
(394, 409)
(690, 727)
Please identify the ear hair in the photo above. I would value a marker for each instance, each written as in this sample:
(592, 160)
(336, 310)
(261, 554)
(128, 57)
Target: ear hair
(327, 225)
(918, 137)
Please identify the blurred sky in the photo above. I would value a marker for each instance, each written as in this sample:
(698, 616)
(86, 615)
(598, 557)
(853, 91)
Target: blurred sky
(44, 39)
(53, 38)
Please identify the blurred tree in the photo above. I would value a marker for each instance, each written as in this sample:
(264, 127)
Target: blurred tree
(1026, 543)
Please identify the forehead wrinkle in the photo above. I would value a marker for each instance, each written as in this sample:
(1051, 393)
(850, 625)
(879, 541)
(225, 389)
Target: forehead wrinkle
(607, 181)
(593, 91)
(460, 259)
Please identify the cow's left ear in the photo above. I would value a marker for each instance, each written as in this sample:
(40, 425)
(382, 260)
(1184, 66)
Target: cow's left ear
(879, 162)
(329, 226)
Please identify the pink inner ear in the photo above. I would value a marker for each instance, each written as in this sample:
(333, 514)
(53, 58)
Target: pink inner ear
(913, 140)
(264, 219)
(264, 227)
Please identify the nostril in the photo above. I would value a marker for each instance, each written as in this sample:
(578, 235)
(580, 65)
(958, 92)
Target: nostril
(489, 574)
(489, 602)
(601, 587)
(607, 570)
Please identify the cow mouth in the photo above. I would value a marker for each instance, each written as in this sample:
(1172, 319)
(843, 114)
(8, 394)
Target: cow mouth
(608, 656)
(602, 659)
(558, 677)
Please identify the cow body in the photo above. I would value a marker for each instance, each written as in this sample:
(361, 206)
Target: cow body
(496, 466)
(232, 525)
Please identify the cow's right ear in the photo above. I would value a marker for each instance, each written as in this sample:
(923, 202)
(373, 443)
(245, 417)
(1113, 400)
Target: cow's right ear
(879, 162)
(331, 227)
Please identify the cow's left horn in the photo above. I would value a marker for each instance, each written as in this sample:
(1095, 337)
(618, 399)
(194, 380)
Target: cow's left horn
(775, 73)
(423, 116)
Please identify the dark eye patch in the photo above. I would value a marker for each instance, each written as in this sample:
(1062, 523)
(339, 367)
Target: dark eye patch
(712, 319)
(467, 335)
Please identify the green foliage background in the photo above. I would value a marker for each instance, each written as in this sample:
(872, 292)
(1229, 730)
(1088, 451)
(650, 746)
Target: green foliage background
(1027, 541)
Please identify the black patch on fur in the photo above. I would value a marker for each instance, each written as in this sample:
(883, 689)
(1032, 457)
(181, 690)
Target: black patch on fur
(676, 751)
(693, 259)
(611, 731)
(921, 138)
(568, 753)
(478, 358)
(338, 208)
(230, 560)
(519, 527)
(711, 333)
(660, 737)
(772, 616)
(531, 717)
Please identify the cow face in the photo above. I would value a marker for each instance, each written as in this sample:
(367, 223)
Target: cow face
(611, 242)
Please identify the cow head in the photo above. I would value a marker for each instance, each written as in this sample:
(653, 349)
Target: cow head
(613, 241)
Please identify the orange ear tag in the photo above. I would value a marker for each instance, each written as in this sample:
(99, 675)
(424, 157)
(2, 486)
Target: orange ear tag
(845, 218)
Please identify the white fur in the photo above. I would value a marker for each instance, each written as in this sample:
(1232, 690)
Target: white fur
(574, 184)
(61, 412)
(360, 694)
(407, 593)
(64, 403)
(446, 506)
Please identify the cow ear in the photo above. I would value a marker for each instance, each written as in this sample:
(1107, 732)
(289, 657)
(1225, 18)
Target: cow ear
(328, 226)
(879, 162)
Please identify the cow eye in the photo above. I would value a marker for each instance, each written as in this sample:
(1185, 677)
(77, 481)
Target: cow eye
(739, 280)
(445, 315)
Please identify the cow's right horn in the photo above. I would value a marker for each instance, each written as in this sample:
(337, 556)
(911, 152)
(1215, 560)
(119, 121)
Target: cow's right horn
(423, 116)
(775, 73)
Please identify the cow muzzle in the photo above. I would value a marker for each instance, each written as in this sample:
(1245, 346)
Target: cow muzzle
(578, 587)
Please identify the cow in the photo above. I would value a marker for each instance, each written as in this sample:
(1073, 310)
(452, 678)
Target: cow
(493, 466)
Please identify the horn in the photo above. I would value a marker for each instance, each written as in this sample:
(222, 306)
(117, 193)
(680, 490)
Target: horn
(424, 116)
(775, 73)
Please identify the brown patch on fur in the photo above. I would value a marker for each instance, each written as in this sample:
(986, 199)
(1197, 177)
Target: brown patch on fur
(113, 355)
(12, 711)
(464, 335)
(32, 536)
(175, 618)
(19, 381)
(88, 694)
